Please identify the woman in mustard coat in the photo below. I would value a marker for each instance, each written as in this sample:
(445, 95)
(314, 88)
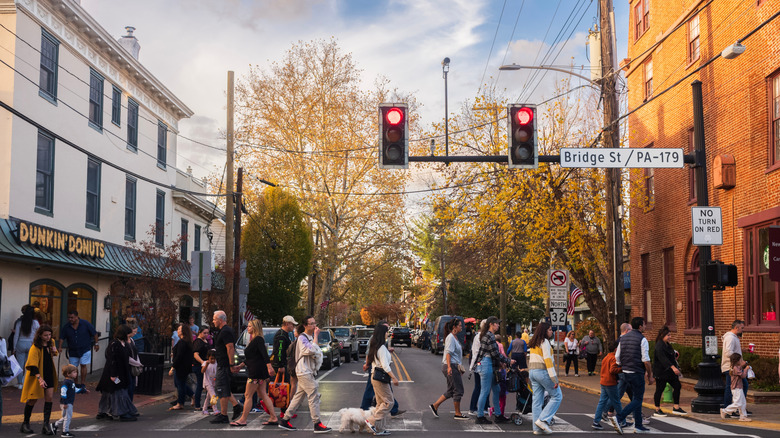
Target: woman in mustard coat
(40, 379)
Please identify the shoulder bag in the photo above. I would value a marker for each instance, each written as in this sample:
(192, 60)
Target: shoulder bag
(381, 375)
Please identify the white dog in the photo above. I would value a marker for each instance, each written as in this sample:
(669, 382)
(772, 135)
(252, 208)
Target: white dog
(352, 417)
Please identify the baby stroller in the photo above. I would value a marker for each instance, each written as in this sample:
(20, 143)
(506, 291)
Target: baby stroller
(517, 382)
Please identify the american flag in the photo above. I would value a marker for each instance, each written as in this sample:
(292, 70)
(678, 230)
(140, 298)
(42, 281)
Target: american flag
(248, 315)
(575, 293)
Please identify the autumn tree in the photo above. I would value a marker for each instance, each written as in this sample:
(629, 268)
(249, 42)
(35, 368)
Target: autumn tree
(277, 246)
(308, 124)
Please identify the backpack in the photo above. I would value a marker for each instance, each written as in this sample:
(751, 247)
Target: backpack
(291, 362)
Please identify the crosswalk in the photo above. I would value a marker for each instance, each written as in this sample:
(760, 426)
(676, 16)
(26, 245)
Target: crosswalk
(413, 421)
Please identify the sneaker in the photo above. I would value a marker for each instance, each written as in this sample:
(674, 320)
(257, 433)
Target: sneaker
(618, 428)
(626, 424)
(501, 419)
(382, 433)
(723, 413)
(543, 426)
(749, 413)
(460, 417)
(67, 434)
(576, 375)
(400, 412)
(220, 419)
(472, 413)
(371, 427)
(483, 420)
(566, 375)
(285, 424)
(433, 409)
(641, 429)
(237, 410)
(597, 426)
(679, 411)
(255, 411)
(321, 428)
(745, 419)
(54, 428)
(659, 413)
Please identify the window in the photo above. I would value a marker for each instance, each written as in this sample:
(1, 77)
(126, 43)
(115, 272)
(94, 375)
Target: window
(132, 125)
(50, 51)
(641, 18)
(162, 144)
(646, 292)
(130, 195)
(692, 293)
(693, 39)
(761, 293)
(774, 114)
(95, 100)
(670, 300)
(648, 78)
(44, 175)
(159, 220)
(196, 235)
(185, 224)
(691, 170)
(649, 176)
(93, 193)
(116, 106)
(46, 297)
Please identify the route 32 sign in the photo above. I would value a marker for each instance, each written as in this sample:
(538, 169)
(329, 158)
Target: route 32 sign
(558, 317)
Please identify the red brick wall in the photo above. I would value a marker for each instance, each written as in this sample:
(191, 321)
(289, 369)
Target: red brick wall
(736, 122)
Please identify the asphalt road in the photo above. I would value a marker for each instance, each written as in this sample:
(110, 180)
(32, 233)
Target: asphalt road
(422, 382)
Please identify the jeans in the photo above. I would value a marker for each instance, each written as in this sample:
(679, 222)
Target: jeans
(609, 400)
(487, 384)
(23, 348)
(623, 388)
(727, 397)
(475, 392)
(183, 389)
(635, 381)
(368, 396)
(198, 385)
(541, 382)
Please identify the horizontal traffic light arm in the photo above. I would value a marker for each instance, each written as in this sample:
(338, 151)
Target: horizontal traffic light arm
(689, 159)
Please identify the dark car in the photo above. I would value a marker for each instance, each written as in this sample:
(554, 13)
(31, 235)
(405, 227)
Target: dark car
(238, 380)
(331, 349)
(437, 343)
(348, 338)
(363, 336)
(401, 335)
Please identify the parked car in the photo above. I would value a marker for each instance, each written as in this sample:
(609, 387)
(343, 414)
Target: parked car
(437, 343)
(238, 380)
(401, 335)
(363, 335)
(348, 338)
(331, 349)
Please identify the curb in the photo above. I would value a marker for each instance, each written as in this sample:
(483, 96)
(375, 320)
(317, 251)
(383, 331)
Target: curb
(702, 417)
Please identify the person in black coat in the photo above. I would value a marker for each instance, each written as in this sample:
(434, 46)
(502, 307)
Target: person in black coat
(181, 366)
(258, 371)
(666, 370)
(114, 399)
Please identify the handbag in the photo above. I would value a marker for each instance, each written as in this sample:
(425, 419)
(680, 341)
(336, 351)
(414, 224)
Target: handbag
(461, 369)
(136, 367)
(5, 368)
(279, 391)
(15, 370)
(380, 375)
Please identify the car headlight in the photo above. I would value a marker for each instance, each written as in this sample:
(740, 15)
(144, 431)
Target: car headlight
(325, 349)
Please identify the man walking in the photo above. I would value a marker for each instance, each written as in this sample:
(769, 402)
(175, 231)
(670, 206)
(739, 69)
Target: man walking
(593, 349)
(731, 345)
(633, 355)
(225, 347)
(308, 357)
(81, 338)
(281, 343)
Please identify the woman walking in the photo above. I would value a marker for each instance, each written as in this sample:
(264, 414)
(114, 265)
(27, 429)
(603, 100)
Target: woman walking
(666, 370)
(200, 349)
(572, 353)
(543, 378)
(133, 356)
(452, 367)
(488, 359)
(381, 377)
(24, 332)
(258, 371)
(181, 366)
(113, 384)
(41, 377)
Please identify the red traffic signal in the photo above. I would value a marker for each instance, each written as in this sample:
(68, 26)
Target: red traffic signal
(393, 136)
(523, 151)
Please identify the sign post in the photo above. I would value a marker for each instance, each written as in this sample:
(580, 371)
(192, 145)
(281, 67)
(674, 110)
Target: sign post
(558, 288)
(200, 277)
(707, 225)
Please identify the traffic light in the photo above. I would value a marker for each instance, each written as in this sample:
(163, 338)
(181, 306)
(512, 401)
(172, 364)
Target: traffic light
(523, 153)
(393, 136)
(720, 275)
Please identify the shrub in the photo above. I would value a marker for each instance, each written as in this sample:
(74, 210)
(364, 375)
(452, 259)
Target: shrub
(583, 327)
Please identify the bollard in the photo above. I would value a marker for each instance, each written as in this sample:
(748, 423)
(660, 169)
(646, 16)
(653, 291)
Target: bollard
(667, 397)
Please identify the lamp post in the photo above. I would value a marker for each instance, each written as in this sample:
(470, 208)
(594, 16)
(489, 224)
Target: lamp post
(445, 68)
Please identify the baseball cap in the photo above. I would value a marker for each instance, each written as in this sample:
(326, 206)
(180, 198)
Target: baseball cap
(289, 318)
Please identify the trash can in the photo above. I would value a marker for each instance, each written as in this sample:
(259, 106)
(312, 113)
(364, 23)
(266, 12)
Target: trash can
(150, 380)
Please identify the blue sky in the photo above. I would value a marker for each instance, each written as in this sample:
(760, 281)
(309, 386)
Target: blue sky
(190, 45)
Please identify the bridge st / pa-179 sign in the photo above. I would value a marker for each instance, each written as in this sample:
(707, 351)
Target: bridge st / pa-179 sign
(622, 157)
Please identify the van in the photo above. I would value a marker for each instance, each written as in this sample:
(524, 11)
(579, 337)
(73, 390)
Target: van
(437, 343)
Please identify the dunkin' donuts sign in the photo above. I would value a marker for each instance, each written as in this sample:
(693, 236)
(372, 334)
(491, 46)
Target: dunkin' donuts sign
(53, 240)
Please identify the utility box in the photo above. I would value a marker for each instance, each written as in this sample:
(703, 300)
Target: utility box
(724, 169)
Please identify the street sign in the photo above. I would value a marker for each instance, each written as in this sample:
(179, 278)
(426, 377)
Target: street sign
(773, 253)
(707, 225)
(200, 271)
(622, 157)
(558, 304)
(558, 317)
(558, 278)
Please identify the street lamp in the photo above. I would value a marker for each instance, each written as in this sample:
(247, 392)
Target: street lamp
(512, 67)
(445, 68)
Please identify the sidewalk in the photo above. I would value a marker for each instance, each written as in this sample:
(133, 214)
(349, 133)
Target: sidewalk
(764, 415)
(86, 405)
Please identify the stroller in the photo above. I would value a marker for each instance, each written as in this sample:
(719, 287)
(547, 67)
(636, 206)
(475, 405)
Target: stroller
(518, 382)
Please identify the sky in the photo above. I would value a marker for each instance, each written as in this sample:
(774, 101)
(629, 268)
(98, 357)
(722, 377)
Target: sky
(191, 44)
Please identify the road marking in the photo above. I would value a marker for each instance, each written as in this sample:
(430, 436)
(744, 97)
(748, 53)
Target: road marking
(408, 377)
(90, 428)
(693, 426)
(323, 375)
(359, 381)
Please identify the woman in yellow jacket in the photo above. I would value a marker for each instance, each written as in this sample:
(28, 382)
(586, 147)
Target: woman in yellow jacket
(541, 372)
(41, 378)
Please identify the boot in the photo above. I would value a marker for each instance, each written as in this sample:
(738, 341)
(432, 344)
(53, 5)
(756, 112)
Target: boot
(47, 429)
(25, 428)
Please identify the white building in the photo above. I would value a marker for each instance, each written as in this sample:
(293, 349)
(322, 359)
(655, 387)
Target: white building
(88, 146)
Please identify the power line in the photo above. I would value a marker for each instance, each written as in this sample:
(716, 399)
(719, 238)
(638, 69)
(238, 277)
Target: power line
(490, 53)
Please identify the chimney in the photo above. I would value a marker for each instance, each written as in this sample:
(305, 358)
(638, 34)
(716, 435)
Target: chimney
(130, 43)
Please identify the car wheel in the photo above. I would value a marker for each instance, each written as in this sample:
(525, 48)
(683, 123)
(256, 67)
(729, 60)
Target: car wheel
(357, 356)
(348, 358)
(329, 363)
(338, 359)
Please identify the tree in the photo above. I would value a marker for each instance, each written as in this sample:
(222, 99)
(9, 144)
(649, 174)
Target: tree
(277, 246)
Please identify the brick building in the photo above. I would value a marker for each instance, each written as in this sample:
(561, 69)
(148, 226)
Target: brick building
(667, 41)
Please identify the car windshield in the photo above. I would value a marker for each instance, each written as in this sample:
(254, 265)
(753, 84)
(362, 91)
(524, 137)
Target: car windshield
(269, 333)
(341, 332)
(365, 333)
(324, 338)
(401, 330)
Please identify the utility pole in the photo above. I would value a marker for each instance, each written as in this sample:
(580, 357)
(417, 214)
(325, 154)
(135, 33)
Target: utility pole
(613, 179)
(229, 230)
(237, 256)
(313, 276)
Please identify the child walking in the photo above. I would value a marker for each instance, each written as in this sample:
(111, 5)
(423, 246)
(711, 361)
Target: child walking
(739, 370)
(209, 370)
(67, 397)
(609, 386)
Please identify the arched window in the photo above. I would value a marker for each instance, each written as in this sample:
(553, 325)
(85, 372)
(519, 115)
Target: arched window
(81, 298)
(46, 297)
(692, 292)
